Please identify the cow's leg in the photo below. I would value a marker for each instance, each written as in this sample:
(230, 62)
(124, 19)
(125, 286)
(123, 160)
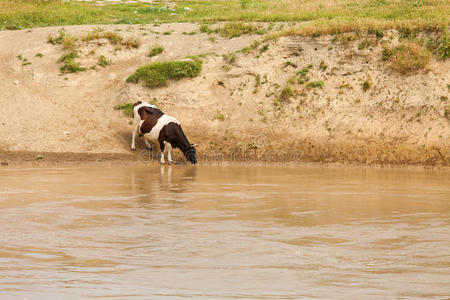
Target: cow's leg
(169, 152)
(133, 138)
(161, 146)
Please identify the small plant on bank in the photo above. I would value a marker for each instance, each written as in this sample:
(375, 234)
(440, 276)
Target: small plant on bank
(102, 61)
(366, 85)
(69, 42)
(364, 44)
(323, 66)
(264, 48)
(444, 49)
(286, 94)
(39, 55)
(58, 39)
(229, 58)
(157, 74)
(263, 114)
(221, 116)
(131, 42)
(155, 51)
(205, 29)
(407, 57)
(315, 84)
(69, 63)
(127, 109)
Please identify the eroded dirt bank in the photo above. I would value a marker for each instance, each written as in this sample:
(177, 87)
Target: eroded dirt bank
(236, 107)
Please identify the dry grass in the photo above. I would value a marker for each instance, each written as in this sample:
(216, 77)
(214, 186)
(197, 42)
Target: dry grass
(98, 33)
(408, 57)
(344, 25)
(131, 42)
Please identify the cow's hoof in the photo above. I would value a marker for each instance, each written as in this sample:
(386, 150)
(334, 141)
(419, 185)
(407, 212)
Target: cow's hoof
(132, 149)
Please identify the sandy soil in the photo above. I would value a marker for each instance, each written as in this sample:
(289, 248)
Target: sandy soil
(399, 120)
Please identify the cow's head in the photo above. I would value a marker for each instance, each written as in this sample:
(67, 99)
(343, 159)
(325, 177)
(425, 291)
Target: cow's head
(190, 154)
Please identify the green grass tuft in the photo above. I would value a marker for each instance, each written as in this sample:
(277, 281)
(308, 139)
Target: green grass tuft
(69, 63)
(444, 49)
(155, 51)
(157, 74)
(286, 93)
(127, 109)
(102, 61)
(315, 84)
(221, 116)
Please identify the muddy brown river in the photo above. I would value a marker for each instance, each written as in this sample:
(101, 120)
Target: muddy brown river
(232, 232)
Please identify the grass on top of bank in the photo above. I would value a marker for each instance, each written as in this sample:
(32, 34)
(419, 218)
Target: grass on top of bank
(327, 15)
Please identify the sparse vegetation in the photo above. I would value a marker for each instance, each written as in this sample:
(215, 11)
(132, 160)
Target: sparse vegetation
(236, 29)
(58, 39)
(69, 41)
(231, 30)
(345, 85)
(264, 48)
(69, 64)
(444, 49)
(205, 29)
(286, 93)
(221, 116)
(127, 109)
(366, 85)
(39, 55)
(407, 57)
(366, 43)
(102, 61)
(155, 51)
(229, 58)
(158, 73)
(113, 37)
(323, 66)
(131, 42)
(315, 84)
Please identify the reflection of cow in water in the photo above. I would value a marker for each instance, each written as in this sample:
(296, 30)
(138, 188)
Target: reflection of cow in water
(153, 124)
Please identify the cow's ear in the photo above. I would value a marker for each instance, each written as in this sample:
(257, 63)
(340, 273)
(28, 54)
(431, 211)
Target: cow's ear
(194, 145)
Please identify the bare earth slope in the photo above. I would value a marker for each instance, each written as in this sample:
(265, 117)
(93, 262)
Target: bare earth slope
(233, 107)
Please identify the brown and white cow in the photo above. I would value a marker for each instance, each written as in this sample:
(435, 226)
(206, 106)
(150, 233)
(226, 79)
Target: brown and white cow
(154, 125)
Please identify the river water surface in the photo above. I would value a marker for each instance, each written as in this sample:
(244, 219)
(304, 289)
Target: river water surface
(234, 232)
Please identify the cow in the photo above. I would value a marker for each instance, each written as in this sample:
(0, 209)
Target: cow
(150, 122)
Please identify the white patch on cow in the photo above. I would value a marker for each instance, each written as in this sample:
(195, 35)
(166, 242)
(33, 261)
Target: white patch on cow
(162, 121)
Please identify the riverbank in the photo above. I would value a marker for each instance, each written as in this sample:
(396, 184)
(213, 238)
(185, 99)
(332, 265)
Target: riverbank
(278, 97)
